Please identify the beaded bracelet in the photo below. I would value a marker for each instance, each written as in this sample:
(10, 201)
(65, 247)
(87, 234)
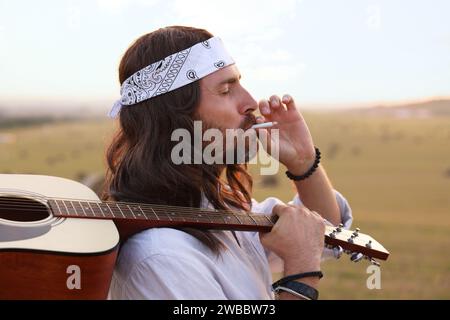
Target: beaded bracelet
(309, 172)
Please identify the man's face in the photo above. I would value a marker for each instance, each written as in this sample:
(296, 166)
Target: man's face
(224, 103)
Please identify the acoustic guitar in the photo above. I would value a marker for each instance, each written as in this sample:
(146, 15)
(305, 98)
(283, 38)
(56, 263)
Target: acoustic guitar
(59, 241)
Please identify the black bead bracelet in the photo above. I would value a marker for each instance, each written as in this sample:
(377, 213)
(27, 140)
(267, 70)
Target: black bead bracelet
(309, 172)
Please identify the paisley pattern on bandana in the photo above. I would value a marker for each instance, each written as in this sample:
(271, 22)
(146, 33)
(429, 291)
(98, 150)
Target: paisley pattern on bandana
(173, 72)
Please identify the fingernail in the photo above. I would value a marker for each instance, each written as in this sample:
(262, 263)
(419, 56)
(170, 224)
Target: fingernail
(274, 103)
(265, 110)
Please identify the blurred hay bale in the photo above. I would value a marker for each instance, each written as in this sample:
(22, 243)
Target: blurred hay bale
(447, 173)
(356, 151)
(333, 150)
(269, 181)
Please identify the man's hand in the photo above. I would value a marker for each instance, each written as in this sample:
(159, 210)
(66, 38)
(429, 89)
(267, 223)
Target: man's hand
(297, 237)
(296, 147)
(296, 151)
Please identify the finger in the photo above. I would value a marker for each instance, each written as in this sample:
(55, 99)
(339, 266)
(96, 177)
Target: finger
(289, 102)
(328, 223)
(317, 215)
(260, 119)
(275, 104)
(279, 209)
(264, 107)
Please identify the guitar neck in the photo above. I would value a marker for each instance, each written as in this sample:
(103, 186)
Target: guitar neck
(161, 215)
(131, 218)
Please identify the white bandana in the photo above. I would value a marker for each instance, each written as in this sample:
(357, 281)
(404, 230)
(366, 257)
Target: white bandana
(173, 72)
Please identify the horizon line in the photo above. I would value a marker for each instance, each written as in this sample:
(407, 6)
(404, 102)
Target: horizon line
(73, 103)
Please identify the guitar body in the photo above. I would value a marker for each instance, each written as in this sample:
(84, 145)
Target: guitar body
(47, 257)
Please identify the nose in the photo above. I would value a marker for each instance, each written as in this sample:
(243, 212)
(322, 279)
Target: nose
(248, 104)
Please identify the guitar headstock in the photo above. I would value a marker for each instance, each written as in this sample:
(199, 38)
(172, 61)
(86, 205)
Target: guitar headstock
(358, 245)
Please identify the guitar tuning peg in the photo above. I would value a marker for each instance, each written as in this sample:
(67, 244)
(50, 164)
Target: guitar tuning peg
(337, 252)
(356, 257)
(339, 227)
(369, 244)
(374, 262)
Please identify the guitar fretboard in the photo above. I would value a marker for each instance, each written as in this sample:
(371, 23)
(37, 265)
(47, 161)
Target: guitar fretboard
(155, 213)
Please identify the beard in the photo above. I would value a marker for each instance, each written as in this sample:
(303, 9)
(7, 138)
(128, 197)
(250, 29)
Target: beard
(238, 145)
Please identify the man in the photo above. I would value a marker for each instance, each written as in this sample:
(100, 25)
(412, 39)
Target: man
(171, 78)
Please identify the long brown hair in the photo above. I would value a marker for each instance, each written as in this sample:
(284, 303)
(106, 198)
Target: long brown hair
(139, 164)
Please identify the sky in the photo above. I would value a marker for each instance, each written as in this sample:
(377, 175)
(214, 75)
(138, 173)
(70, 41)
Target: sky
(335, 52)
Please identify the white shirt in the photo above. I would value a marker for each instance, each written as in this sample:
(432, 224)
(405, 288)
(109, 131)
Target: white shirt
(165, 263)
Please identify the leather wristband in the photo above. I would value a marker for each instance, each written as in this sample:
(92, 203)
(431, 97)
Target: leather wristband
(298, 289)
(297, 276)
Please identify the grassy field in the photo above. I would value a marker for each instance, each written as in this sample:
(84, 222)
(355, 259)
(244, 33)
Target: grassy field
(394, 172)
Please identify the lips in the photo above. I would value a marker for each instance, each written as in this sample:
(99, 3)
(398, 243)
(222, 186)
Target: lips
(248, 122)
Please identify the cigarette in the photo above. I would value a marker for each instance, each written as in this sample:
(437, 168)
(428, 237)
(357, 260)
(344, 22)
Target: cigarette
(264, 125)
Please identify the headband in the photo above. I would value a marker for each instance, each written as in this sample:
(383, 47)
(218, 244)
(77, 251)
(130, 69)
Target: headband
(173, 72)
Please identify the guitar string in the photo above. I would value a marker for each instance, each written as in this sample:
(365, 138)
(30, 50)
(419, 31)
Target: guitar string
(127, 203)
(192, 210)
(160, 209)
(196, 211)
(154, 220)
(207, 215)
(259, 222)
(264, 218)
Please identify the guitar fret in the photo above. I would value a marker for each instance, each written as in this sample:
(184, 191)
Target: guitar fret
(105, 210)
(59, 209)
(155, 213)
(93, 211)
(112, 211)
(225, 220)
(84, 212)
(256, 223)
(145, 216)
(248, 220)
(74, 209)
(232, 219)
(263, 221)
(131, 211)
(267, 218)
(177, 217)
(64, 203)
(117, 206)
(215, 218)
(235, 215)
(88, 211)
(168, 216)
(99, 208)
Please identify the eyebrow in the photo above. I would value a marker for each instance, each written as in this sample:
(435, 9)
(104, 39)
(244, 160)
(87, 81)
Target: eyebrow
(230, 80)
